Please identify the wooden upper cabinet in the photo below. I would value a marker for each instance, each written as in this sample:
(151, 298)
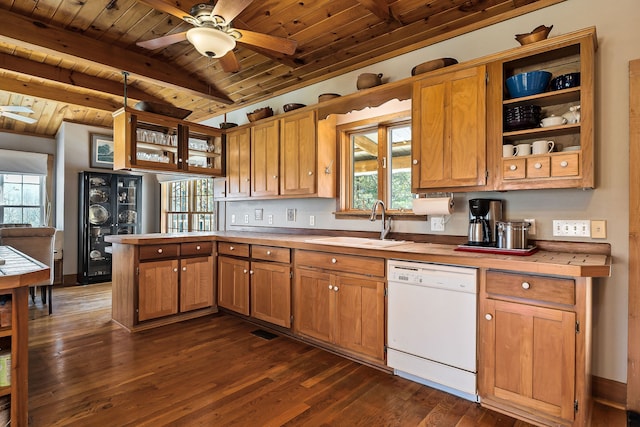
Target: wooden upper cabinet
(449, 131)
(265, 159)
(238, 168)
(298, 154)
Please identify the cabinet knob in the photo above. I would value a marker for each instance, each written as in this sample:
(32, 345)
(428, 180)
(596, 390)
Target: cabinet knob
(525, 285)
(488, 316)
(244, 271)
(160, 250)
(175, 270)
(415, 161)
(564, 164)
(198, 248)
(184, 268)
(268, 252)
(250, 271)
(275, 176)
(335, 289)
(310, 173)
(333, 260)
(538, 165)
(330, 287)
(513, 167)
(231, 248)
(247, 179)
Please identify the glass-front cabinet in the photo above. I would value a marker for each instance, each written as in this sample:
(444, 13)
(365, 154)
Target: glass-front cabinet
(108, 204)
(151, 142)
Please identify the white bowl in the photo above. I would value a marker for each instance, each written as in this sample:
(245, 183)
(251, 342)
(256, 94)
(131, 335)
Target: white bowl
(553, 121)
(572, 148)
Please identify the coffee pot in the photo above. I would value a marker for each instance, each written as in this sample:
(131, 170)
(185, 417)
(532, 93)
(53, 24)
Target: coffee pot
(483, 215)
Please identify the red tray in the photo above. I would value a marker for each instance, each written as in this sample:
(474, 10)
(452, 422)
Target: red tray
(498, 251)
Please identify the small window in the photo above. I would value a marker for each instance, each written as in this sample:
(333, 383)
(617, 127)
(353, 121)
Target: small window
(188, 206)
(22, 199)
(377, 166)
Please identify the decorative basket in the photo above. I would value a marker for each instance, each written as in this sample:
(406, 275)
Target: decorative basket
(260, 113)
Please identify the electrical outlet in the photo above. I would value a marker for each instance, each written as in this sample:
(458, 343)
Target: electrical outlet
(532, 227)
(270, 219)
(572, 228)
(291, 214)
(259, 214)
(437, 223)
(233, 218)
(312, 220)
(599, 228)
(246, 219)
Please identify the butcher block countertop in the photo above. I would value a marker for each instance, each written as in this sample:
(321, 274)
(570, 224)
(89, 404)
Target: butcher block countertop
(576, 264)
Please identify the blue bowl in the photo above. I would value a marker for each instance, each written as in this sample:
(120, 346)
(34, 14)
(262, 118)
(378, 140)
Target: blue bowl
(527, 84)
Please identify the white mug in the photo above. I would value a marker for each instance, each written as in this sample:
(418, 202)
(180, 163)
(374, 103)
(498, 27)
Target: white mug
(508, 150)
(542, 147)
(523, 149)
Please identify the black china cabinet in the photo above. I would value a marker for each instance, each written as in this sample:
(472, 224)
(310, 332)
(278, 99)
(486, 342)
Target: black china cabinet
(108, 204)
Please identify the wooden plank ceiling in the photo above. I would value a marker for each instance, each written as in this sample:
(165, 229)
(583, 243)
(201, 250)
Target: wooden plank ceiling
(64, 59)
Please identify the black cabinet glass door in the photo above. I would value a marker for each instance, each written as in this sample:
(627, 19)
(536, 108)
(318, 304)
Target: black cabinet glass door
(108, 204)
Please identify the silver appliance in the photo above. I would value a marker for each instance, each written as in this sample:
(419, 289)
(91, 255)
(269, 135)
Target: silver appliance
(483, 216)
(431, 326)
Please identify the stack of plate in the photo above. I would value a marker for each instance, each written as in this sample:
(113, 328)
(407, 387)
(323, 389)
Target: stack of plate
(522, 117)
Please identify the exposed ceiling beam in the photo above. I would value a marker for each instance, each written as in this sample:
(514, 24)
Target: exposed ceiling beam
(366, 144)
(380, 8)
(38, 36)
(69, 77)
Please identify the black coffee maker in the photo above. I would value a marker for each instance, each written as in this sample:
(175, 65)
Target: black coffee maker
(483, 214)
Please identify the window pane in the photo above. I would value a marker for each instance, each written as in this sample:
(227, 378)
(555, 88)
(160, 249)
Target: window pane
(22, 199)
(31, 195)
(364, 161)
(400, 149)
(190, 206)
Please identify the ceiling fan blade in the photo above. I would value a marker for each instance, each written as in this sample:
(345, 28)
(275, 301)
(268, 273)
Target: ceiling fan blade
(163, 41)
(16, 108)
(165, 7)
(28, 120)
(276, 44)
(229, 9)
(230, 62)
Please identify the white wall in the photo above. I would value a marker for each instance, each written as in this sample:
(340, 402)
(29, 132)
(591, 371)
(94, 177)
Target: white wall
(618, 35)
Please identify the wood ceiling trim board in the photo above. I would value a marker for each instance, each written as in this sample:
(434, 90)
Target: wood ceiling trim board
(379, 8)
(46, 118)
(68, 77)
(149, 19)
(67, 44)
(86, 15)
(44, 10)
(263, 14)
(294, 24)
(104, 23)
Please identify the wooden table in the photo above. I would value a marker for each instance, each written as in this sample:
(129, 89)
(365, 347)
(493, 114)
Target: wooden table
(18, 272)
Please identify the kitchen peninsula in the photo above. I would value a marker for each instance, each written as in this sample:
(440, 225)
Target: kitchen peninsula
(538, 304)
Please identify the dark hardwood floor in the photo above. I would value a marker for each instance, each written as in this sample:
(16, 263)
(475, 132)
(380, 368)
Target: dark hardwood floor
(86, 371)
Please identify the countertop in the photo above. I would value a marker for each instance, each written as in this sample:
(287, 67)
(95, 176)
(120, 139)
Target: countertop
(541, 262)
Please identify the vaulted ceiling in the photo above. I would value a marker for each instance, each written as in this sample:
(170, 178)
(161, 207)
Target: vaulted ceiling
(67, 59)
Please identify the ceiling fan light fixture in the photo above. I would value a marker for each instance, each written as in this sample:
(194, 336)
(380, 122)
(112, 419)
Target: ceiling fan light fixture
(211, 42)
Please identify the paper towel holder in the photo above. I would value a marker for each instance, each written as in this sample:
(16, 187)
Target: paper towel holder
(437, 195)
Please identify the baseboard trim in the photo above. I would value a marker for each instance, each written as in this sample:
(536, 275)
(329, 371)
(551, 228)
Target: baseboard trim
(609, 392)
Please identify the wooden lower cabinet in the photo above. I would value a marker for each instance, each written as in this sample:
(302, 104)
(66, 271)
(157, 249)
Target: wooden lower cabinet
(271, 293)
(196, 283)
(157, 289)
(534, 347)
(233, 284)
(343, 310)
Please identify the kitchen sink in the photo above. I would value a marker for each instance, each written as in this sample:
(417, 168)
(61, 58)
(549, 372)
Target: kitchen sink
(356, 242)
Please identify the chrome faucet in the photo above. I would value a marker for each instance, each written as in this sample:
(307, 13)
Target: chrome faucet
(386, 224)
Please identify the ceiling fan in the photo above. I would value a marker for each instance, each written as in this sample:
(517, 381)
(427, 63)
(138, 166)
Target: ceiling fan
(213, 35)
(10, 110)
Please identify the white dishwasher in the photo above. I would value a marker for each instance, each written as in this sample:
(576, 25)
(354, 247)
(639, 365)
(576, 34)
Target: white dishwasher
(431, 325)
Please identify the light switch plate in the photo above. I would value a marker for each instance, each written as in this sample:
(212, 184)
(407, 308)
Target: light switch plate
(437, 223)
(599, 229)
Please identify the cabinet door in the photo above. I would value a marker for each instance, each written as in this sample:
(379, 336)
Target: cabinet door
(233, 284)
(298, 154)
(265, 159)
(359, 315)
(157, 289)
(196, 283)
(528, 357)
(312, 311)
(449, 138)
(238, 151)
(271, 293)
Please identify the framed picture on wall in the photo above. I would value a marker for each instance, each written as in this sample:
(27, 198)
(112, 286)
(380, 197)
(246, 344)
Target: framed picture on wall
(101, 151)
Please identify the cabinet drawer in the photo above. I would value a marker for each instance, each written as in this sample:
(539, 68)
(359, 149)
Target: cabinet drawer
(235, 249)
(538, 167)
(147, 252)
(565, 165)
(271, 253)
(347, 263)
(196, 248)
(513, 168)
(543, 288)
